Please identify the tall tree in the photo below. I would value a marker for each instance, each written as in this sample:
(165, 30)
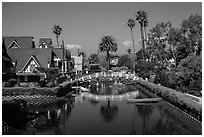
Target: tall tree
(141, 17)
(191, 29)
(108, 44)
(57, 31)
(131, 24)
(159, 43)
(145, 29)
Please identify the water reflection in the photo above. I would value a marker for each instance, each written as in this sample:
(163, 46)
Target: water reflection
(109, 88)
(144, 111)
(93, 102)
(108, 111)
(80, 115)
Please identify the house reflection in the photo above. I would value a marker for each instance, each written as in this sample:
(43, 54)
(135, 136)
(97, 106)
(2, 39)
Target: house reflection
(51, 118)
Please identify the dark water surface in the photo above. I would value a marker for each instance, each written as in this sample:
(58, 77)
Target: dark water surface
(81, 116)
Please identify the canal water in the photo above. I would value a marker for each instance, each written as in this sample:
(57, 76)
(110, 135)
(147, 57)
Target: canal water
(84, 116)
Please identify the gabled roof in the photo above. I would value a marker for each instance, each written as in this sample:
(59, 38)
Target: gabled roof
(48, 41)
(33, 57)
(59, 53)
(23, 55)
(23, 42)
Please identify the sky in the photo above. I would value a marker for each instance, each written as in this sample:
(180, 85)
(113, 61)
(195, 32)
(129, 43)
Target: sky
(85, 23)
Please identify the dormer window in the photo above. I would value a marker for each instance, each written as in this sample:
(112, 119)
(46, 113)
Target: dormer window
(14, 44)
(43, 45)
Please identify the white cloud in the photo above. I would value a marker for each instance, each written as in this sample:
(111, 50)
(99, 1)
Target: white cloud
(73, 46)
(127, 43)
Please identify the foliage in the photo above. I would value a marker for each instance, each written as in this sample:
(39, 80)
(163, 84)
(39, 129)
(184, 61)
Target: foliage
(124, 60)
(108, 44)
(174, 97)
(190, 37)
(145, 68)
(141, 17)
(189, 74)
(93, 59)
(102, 61)
(186, 78)
(15, 91)
(51, 73)
(57, 31)
(159, 44)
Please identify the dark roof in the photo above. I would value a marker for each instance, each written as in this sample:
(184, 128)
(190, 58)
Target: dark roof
(4, 52)
(24, 42)
(48, 41)
(23, 55)
(5, 59)
(59, 53)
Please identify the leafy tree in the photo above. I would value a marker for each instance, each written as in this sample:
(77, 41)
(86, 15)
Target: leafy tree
(108, 44)
(159, 44)
(124, 60)
(57, 31)
(51, 73)
(93, 59)
(102, 60)
(189, 74)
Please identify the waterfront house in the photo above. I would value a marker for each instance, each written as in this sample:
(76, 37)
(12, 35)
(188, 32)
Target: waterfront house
(26, 57)
(77, 63)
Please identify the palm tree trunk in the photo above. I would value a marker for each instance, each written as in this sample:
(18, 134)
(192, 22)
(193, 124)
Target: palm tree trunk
(133, 41)
(145, 37)
(63, 58)
(142, 39)
(108, 58)
(133, 48)
(57, 41)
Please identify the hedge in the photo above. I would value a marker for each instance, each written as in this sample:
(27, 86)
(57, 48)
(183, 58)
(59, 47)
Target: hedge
(14, 91)
(174, 97)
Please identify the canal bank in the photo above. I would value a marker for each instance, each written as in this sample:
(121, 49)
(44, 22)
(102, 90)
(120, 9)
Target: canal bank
(177, 99)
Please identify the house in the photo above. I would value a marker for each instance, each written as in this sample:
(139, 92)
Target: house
(77, 63)
(45, 43)
(26, 57)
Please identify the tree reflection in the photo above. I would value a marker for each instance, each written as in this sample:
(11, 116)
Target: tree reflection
(109, 112)
(93, 102)
(144, 111)
(133, 132)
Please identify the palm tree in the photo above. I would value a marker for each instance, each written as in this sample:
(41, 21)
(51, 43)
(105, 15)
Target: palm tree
(145, 29)
(141, 17)
(57, 31)
(129, 51)
(108, 44)
(131, 24)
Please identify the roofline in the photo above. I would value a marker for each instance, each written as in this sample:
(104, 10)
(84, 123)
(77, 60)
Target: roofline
(28, 61)
(12, 43)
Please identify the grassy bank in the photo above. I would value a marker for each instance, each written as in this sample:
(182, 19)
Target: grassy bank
(174, 97)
